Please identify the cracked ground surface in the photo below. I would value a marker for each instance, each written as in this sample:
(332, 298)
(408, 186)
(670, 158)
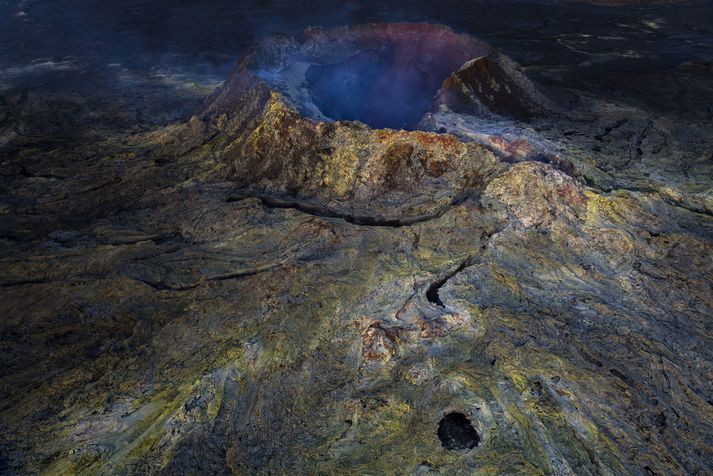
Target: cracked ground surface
(160, 317)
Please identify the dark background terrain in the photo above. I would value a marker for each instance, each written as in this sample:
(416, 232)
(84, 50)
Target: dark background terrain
(573, 41)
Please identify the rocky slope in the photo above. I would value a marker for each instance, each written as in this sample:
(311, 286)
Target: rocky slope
(506, 283)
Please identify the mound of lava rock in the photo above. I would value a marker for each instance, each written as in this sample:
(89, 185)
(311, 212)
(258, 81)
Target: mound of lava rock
(351, 120)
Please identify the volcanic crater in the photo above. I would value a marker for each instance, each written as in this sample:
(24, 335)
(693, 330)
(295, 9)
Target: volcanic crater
(347, 117)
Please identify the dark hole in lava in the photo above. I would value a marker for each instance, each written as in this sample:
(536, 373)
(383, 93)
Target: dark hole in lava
(377, 87)
(432, 292)
(457, 433)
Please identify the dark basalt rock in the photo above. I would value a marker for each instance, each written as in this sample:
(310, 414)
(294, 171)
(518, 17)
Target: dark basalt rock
(492, 85)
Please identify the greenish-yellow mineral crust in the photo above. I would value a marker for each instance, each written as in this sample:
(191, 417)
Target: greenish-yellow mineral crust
(258, 292)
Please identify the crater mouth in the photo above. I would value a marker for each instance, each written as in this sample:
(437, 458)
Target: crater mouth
(377, 87)
(383, 75)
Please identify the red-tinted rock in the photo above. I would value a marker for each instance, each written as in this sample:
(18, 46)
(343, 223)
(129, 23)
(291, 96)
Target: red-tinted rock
(491, 85)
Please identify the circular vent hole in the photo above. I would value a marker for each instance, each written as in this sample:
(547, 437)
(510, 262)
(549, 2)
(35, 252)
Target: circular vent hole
(456, 432)
(381, 87)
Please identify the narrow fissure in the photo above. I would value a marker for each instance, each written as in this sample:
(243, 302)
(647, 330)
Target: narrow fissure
(272, 201)
(435, 287)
